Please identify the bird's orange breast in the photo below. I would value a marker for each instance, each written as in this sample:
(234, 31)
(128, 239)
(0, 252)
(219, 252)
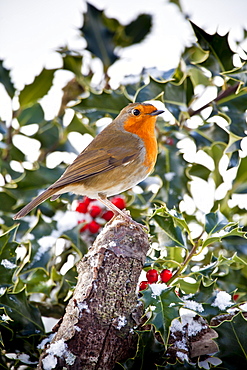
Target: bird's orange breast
(145, 130)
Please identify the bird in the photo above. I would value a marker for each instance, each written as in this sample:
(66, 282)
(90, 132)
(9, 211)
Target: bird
(122, 155)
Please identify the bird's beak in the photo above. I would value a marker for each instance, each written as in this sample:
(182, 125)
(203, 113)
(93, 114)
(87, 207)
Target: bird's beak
(156, 112)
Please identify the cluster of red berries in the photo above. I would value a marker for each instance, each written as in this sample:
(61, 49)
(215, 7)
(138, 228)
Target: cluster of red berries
(95, 213)
(153, 276)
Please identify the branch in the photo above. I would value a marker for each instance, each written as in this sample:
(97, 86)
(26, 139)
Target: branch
(97, 328)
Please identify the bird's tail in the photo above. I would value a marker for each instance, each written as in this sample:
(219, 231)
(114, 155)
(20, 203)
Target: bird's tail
(34, 203)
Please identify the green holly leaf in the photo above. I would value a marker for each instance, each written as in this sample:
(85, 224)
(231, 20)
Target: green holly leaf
(103, 104)
(99, 37)
(73, 63)
(163, 309)
(26, 318)
(171, 225)
(198, 170)
(148, 351)
(30, 115)
(240, 181)
(8, 263)
(234, 107)
(217, 45)
(135, 31)
(215, 221)
(7, 200)
(6, 80)
(78, 125)
(232, 342)
(37, 89)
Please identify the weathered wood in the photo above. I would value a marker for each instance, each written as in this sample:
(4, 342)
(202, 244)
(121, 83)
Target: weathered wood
(97, 328)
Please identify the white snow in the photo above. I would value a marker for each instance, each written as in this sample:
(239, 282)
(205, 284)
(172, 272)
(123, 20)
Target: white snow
(157, 289)
(66, 221)
(181, 345)
(169, 176)
(176, 326)
(243, 307)
(45, 341)
(49, 362)
(211, 360)
(193, 305)
(8, 264)
(58, 349)
(182, 356)
(112, 244)
(222, 300)
(122, 321)
(83, 306)
(187, 317)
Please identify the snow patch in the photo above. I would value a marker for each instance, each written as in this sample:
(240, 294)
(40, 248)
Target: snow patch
(112, 244)
(57, 349)
(8, 264)
(122, 321)
(45, 341)
(243, 307)
(192, 305)
(83, 306)
(157, 289)
(222, 300)
(182, 356)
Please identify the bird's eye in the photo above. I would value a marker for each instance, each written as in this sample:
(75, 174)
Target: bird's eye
(136, 112)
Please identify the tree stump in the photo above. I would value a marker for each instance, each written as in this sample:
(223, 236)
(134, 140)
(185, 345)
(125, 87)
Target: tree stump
(97, 328)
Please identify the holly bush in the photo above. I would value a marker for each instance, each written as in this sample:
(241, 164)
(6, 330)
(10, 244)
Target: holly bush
(194, 202)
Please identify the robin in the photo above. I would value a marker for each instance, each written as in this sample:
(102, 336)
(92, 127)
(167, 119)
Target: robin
(118, 158)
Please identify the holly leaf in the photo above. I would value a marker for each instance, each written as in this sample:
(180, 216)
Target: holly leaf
(103, 104)
(148, 350)
(36, 90)
(169, 225)
(30, 115)
(215, 221)
(240, 181)
(7, 257)
(98, 36)
(218, 46)
(21, 312)
(163, 308)
(135, 31)
(6, 80)
(232, 342)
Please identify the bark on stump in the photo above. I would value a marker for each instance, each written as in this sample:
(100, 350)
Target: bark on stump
(97, 328)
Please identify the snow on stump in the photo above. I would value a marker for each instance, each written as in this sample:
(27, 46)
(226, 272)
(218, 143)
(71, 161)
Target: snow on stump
(97, 328)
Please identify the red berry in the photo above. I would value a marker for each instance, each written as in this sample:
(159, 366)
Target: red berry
(94, 211)
(152, 276)
(119, 202)
(87, 200)
(165, 275)
(235, 297)
(82, 207)
(93, 227)
(143, 285)
(84, 227)
(108, 215)
(169, 141)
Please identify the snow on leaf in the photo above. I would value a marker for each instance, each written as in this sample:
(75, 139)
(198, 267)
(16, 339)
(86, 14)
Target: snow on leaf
(166, 309)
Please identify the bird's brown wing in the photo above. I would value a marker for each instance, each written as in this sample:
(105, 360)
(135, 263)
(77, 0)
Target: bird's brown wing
(92, 162)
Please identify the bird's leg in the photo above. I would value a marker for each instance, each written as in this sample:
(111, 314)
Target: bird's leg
(113, 208)
(102, 197)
